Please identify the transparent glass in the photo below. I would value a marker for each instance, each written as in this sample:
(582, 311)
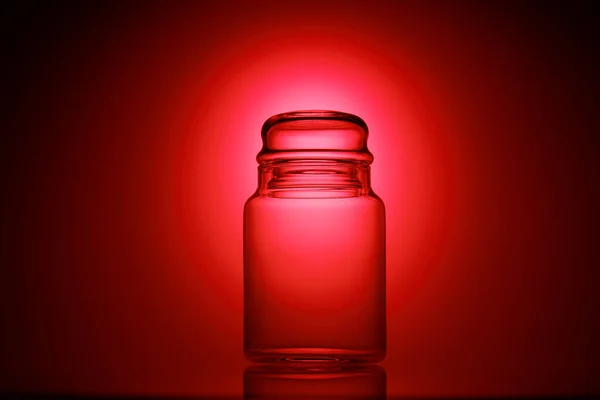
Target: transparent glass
(314, 244)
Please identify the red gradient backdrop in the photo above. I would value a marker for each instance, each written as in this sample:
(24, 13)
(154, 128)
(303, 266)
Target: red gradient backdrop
(129, 148)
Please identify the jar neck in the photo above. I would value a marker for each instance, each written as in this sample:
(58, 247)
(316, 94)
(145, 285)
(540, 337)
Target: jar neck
(314, 178)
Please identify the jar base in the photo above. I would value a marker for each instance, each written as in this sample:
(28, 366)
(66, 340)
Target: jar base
(313, 355)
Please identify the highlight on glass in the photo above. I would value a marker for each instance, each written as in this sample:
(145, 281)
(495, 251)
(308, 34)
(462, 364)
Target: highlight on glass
(314, 244)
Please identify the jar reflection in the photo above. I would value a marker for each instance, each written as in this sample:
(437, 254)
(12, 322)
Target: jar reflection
(315, 382)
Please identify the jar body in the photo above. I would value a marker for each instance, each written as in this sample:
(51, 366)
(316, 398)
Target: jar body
(314, 262)
(314, 279)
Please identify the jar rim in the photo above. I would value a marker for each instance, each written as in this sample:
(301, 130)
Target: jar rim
(301, 115)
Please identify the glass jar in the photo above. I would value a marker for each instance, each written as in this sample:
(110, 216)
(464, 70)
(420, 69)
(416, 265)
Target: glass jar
(314, 244)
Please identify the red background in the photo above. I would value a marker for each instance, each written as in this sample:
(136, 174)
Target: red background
(128, 144)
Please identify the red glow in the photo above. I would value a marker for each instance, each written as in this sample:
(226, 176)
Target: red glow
(129, 150)
(411, 168)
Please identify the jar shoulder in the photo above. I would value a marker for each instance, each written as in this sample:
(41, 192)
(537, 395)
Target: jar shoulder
(369, 201)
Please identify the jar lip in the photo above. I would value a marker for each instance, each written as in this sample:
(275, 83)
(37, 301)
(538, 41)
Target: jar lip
(313, 115)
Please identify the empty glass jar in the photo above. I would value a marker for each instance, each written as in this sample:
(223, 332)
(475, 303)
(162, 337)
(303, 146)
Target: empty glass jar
(314, 244)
